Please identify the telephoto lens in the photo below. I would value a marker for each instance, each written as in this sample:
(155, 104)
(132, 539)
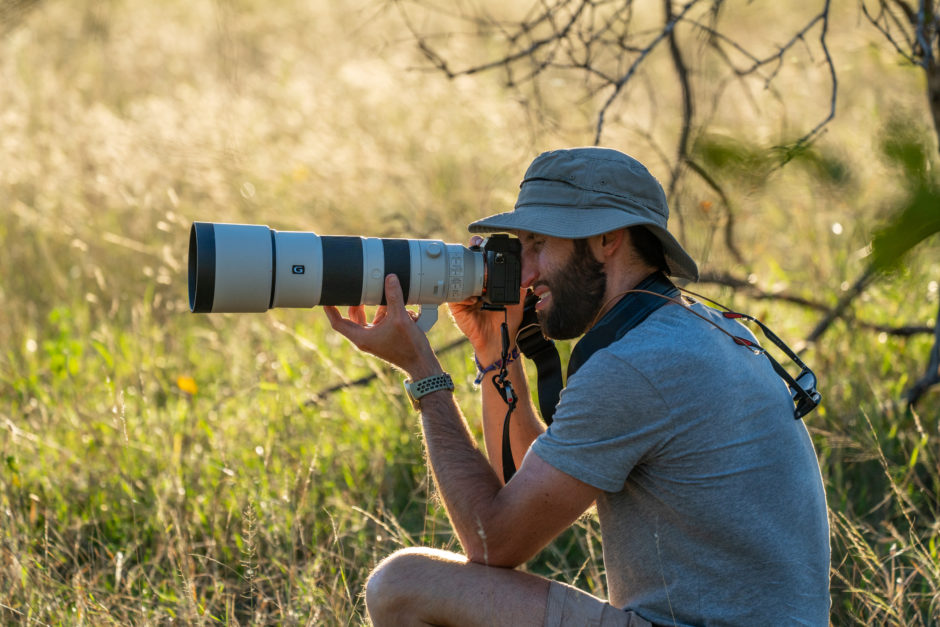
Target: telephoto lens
(241, 268)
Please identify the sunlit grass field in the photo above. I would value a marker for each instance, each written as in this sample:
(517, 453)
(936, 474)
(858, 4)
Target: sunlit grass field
(158, 466)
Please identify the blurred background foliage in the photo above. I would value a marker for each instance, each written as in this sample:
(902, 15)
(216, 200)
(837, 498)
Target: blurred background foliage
(159, 466)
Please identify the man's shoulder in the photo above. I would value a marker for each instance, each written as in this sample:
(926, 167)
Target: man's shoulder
(670, 335)
(685, 356)
(689, 335)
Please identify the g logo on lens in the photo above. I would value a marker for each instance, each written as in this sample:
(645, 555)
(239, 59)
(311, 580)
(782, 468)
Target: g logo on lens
(297, 269)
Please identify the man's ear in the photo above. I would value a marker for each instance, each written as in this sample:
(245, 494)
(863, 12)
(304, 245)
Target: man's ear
(611, 242)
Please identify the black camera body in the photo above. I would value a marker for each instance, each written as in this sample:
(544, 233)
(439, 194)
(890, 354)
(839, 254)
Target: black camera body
(503, 270)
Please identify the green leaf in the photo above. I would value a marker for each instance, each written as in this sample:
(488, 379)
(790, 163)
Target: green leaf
(904, 143)
(918, 220)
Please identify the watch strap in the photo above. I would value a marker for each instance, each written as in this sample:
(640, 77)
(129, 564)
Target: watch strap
(422, 387)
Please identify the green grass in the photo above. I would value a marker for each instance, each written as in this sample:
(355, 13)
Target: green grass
(157, 465)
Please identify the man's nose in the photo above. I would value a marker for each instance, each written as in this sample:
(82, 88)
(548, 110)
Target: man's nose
(529, 272)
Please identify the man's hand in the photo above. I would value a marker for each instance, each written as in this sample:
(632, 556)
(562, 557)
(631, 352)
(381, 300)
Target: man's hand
(482, 327)
(392, 335)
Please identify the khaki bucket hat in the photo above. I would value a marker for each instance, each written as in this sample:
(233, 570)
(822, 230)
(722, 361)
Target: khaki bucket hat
(582, 192)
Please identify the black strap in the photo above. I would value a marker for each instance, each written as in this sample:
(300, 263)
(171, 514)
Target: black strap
(624, 316)
(504, 387)
(544, 354)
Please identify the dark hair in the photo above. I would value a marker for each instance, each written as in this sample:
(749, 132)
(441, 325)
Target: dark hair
(648, 247)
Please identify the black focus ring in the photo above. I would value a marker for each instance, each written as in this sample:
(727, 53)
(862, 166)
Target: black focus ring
(342, 270)
(397, 253)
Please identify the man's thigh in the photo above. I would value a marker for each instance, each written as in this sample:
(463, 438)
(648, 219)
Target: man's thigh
(429, 586)
(567, 605)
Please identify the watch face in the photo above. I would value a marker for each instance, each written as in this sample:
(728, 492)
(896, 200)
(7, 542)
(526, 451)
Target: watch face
(411, 395)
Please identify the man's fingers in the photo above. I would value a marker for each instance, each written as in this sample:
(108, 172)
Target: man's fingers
(357, 314)
(380, 315)
(393, 295)
(395, 310)
(333, 315)
(339, 323)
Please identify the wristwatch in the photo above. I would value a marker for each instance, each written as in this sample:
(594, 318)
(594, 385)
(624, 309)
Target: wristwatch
(423, 387)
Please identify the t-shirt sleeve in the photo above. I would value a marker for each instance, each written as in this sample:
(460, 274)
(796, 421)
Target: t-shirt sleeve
(608, 419)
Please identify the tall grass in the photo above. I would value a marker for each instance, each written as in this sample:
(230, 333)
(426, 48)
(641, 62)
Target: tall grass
(157, 466)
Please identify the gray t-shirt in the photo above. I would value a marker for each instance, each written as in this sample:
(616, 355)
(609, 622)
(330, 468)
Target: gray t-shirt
(713, 510)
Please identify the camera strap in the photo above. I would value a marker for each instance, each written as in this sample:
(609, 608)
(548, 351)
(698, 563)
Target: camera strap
(630, 311)
(637, 305)
(544, 354)
(504, 386)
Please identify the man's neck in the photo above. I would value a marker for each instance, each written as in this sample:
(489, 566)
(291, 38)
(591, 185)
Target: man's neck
(619, 283)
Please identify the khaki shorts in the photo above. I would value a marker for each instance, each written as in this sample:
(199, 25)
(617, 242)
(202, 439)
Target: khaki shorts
(568, 606)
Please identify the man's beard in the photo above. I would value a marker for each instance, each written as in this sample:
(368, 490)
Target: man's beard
(577, 295)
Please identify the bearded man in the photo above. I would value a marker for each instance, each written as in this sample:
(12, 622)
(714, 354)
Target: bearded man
(710, 500)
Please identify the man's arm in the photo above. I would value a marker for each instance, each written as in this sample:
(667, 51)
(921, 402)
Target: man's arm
(524, 425)
(497, 525)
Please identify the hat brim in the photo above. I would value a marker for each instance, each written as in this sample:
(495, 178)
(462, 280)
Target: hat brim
(570, 223)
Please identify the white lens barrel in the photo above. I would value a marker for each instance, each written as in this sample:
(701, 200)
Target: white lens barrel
(373, 271)
(243, 262)
(251, 268)
(299, 275)
(443, 272)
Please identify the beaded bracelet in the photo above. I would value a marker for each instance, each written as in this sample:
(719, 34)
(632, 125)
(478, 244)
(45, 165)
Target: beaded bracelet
(496, 365)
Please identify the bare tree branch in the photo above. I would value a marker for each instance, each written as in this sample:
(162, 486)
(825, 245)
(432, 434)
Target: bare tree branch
(623, 80)
(726, 201)
(753, 291)
(688, 112)
(832, 77)
(920, 31)
(591, 36)
(880, 22)
(932, 375)
(839, 310)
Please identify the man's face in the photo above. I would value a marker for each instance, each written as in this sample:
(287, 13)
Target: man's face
(568, 280)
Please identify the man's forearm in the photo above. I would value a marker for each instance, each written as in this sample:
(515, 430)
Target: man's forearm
(467, 483)
(524, 425)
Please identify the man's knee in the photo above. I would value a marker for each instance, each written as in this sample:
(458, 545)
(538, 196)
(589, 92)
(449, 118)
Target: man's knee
(398, 588)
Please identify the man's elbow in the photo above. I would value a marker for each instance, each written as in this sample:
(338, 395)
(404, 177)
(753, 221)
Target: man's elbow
(497, 556)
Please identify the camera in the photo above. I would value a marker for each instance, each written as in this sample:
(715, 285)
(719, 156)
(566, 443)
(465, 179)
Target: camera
(239, 268)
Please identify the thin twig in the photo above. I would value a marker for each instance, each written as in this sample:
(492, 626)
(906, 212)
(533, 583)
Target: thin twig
(753, 291)
(886, 33)
(688, 112)
(503, 61)
(839, 310)
(932, 374)
(726, 201)
(623, 80)
(834, 82)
